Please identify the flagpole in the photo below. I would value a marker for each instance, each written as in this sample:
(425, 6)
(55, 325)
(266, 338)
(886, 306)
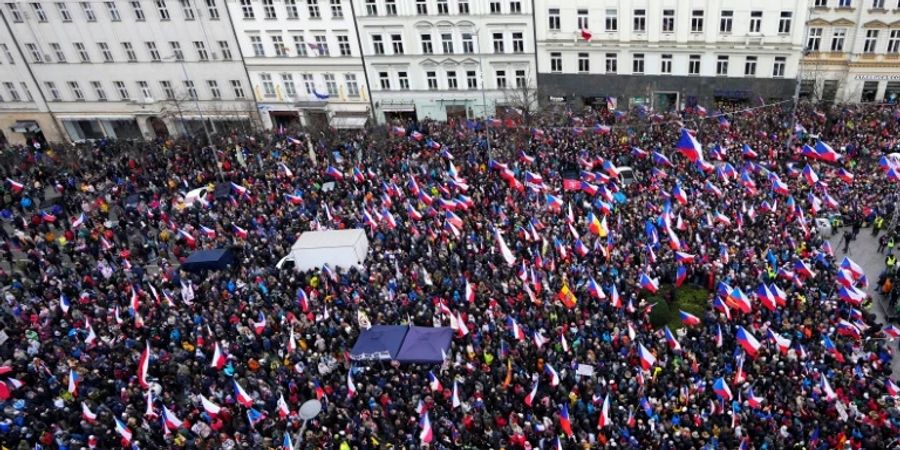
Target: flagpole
(487, 128)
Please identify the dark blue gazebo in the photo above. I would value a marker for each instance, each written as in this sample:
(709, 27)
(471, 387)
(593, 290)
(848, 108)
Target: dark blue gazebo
(213, 259)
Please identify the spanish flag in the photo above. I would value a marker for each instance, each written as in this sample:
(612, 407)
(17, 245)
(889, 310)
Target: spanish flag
(567, 297)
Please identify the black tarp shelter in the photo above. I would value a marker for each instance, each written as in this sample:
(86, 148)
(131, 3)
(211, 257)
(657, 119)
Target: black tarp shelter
(213, 259)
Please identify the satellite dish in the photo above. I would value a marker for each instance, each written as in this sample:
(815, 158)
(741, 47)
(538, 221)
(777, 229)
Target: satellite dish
(310, 409)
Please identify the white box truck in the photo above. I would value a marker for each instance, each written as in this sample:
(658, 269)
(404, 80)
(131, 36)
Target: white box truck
(337, 248)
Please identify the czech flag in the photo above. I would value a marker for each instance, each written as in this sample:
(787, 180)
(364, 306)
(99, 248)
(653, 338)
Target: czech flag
(564, 423)
(87, 414)
(427, 434)
(287, 444)
(810, 175)
(847, 177)
(554, 203)
(831, 348)
(649, 284)
(334, 173)
(681, 257)
(689, 147)
(78, 221)
(746, 340)
(171, 421)
(209, 232)
(670, 339)
(722, 390)
(218, 358)
(680, 275)
(892, 388)
(891, 331)
(239, 232)
(529, 399)
(766, 297)
(282, 406)
(255, 417)
(802, 269)
(849, 264)
(143, 365)
(517, 331)
(211, 408)
(122, 430)
(647, 358)
(688, 319)
(748, 152)
(241, 395)
(783, 343)
(661, 160)
(595, 290)
(679, 195)
(351, 386)
(825, 153)
(754, 401)
(554, 376)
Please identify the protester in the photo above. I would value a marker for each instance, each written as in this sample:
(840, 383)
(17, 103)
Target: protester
(107, 344)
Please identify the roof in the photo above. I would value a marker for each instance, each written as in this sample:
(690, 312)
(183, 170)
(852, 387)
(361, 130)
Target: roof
(329, 238)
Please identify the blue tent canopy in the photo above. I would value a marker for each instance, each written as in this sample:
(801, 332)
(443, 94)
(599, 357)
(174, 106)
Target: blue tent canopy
(381, 342)
(214, 259)
(425, 345)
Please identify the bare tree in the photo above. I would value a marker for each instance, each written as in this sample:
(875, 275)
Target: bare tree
(523, 98)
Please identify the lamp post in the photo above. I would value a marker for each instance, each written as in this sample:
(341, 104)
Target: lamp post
(792, 131)
(487, 126)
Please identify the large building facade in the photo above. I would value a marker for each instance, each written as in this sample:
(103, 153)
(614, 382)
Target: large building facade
(133, 69)
(304, 61)
(853, 51)
(445, 59)
(667, 53)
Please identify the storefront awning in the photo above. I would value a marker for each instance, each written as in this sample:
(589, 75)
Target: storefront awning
(25, 126)
(409, 107)
(349, 122)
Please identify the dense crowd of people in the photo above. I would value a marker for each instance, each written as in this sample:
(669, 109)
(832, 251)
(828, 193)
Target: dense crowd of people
(107, 344)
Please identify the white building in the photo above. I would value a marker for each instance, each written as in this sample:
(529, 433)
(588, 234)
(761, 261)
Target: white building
(853, 51)
(129, 69)
(431, 58)
(667, 53)
(303, 59)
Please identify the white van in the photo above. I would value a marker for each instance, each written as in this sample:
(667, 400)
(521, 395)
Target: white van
(337, 248)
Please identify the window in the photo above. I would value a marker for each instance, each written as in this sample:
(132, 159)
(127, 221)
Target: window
(187, 10)
(138, 11)
(553, 17)
(447, 43)
(256, 43)
(290, 7)
(468, 43)
(640, 20)
(74, 87)
(322, 45)
(583, 19)
(289, 88)
(36, 56)
(694, 65)
(471, 79)
(344, 45)
(88, 10)
(162, 9)
(501, 79)
(54, 92)
(422, 7)
(371, 8)
(637, 63)
(431, 77)
(313, 7)
(82, 52)
(697, 21)
(612, 20)
(352, 85)
(237, 88)
(463, 6)
(384, 79)
(212, 10)
(15, 13)
(145, 90)
(202, 54)
(330, 84)
(40, 14)
(99, 91)
(176, 50)
(27, 91)
(225, 49)
(893, 45)
(821, 3)
(750, 66)
(7, 53)
(778, 68)
(214, 91)
(427, 48)
(518, 41)
(58, 51)
(877, 4)
(168, 92)
(130, 54)
(191, 90)
(668, 21)
(725, 21)
(495, 7)
(837, 39)
(612, 63)
(299, 45)
(247, 10)
(814, 39)
(845, 3)
(121, 89)
(871, 41)
(443, 7)
(63, 12)
(755, 21)
(377, 44)
(104, 49)
(452, 82)
(390, 7)
(722, 65)
(784, 23)
(278, 43)
(403, 78)
(498, 42)
(520, 79)
(397, 44)
(665, 65)
(556, 62)
(269, 9)
(337, 12)
(584, 63)
(515, 7)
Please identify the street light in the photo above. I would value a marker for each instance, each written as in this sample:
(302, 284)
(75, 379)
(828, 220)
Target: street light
(199, 112)
(487, 127)
(792, 132)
